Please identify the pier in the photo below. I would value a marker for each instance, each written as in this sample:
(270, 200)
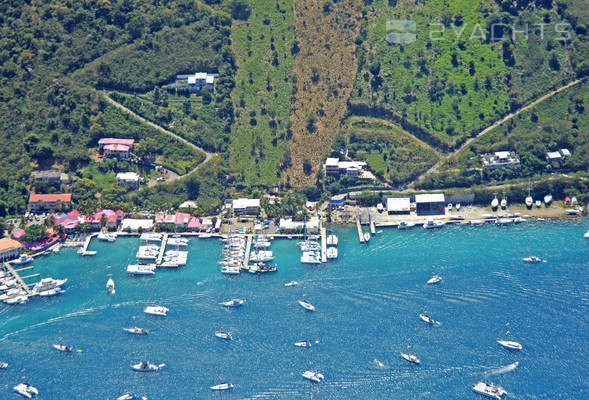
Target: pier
(248, 248)
(160, 257)
(372, 227)
(84, 251)
(323, 244)
(22, 283)
(359, 227)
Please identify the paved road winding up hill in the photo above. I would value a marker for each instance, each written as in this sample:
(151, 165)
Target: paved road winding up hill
(208, 155)
(491, 127)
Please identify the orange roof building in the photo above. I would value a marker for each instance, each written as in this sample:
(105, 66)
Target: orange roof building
(9, 249)
(49, 201)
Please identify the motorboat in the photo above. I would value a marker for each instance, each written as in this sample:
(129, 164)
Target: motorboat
(3, 365)
(504, 221)
(63, 347)
(156, 310)
(548, 199)
(366, 236)
(532, 259)
(489, 390)
(332, 240)
(222, 386)
(136, 330)
(146, 366)
(309, 245)
(572, 211)
(519, 220)
(232, 303)
(509, 344)
(141, 269)
(306, 305)
(331, 252)
(231, 270)
(405, 225)
(8, 284)
(26, 390)
(23, 259)
(107, 236)
(494, 203)
(411, 358)
(313, 376)
(432, 224)
(294, 283)
(311, 257)
(12, 293)
(503, 203)
(152, 237)
(586, 235)
(434, 279)
(261, 255)
(538, 203)
(428, 319)
(51, 292)
(22, 299)
(477, 222)
(110, 286)
(303, 343)
(47, 284)
(178, 242)
(262, 268)
(223, 335)
(131, 396)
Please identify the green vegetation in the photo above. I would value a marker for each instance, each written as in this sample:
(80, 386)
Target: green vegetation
(389, 151)
(262, 46)
(449, 85)
(561, 122)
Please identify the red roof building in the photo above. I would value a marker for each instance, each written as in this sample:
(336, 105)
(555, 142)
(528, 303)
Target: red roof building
(49, 201)
(111, 221)
(194, 223)
(115, 141)
(181, 219)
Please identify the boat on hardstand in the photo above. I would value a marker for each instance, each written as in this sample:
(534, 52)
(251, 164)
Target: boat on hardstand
(548, 199)
(428, 319)
(313, 376)
(110, 286)
(411, 358)
(509, 344)
(303, 343)
(232, 303)
(291, 283)
(63, 347)
(224, 335)
(477, 222)
(131, 396)
(26, 390)
(156, 310)
(494, 203)
(434, 279)
(532, 259)
(146, 366)
(222, 386)
(489, 390)
(136, 330)
(306, 306)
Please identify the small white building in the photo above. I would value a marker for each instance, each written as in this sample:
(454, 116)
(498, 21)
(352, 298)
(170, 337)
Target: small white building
(565, 153)
(128, 179)
(287, 225)
(500, 159)
(553, 156)
(246, 206)
(335, 167)
(134, 224)
(332, 166)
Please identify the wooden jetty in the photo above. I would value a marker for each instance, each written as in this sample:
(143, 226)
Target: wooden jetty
(160, 257)
(323, 244)
(248, 248)
(84, 251)
(359, 227)
(372, 227)
(18, 278)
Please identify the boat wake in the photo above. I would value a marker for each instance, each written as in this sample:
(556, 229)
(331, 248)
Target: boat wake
(503, 370)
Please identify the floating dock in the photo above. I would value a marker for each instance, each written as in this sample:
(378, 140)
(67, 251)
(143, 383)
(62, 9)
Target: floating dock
(359, 227)
(84, 251)
(323, 244)
(160, 257)
(248, 248)
(22, 283)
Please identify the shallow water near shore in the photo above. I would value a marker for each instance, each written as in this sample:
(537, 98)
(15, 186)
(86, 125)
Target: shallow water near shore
(368, 303)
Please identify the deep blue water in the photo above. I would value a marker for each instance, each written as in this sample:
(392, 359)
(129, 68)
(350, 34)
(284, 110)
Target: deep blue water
(368, 302)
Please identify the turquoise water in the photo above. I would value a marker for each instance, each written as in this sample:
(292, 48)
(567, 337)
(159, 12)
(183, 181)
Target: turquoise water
(368, 302)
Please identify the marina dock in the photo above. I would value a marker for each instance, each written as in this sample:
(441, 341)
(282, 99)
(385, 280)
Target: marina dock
(372, 227)
(160, 257)
(323, 244)
(359, 227)
(84, 251)
(248, 248)
(18, 278)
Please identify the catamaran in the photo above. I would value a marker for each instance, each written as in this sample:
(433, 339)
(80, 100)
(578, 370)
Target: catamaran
(332, 240)
(411, 358)
(156, 310)
(331, 252)
(311, 257)
(509, 344)
(313, 376)
(26, 390)
(146, 366)
(489, 390)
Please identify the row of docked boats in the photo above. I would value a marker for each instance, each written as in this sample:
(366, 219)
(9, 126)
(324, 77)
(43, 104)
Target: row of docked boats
(233, 254)
(332, 241)
(110, 237)
(311, 251)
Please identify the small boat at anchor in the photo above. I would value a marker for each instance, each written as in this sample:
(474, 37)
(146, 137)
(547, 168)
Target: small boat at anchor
(131, 396)
(489, 390)
(291, 283)
(3, 365)
(411, 358)
(306, 305)
(509, 344)
(146, 366)
(136, 330)
(222, 386)
(232, 303)
(532, 259)
(26, 390)
(110, 286)
(63, 347)
(224, 335)
(434, 279)
(303, 343)
(156, 310)
(313, 376)
(428, 319)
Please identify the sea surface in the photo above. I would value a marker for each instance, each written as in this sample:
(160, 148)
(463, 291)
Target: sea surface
(368, 303)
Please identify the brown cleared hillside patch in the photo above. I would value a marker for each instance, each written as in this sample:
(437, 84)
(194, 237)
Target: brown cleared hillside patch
(325, 70)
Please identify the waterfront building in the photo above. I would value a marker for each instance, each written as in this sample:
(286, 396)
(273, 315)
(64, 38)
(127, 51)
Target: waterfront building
(135, 225)
(430, 204)
(9, 249)
(398, 205)
(246, 206)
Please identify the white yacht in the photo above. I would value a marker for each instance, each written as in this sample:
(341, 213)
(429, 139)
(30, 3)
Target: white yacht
(107, 236)
(23, 259)
(494, 203)
(231, 270)
(131, 396)
(22, 299)
(136, 330)
(311, 257)
(532, 259)
(222, 386)
(141, 269)
(51, 292)
(110, 286)
(26, 390)
(434, 279)
(177, 242)
(306, 305)
(489, 390)
(586, 235)
(146, 366)
(63, 347)
(232, 303)
(538, 203)
(47, 284)
(303, 343)
(332, 240)
(411, 358)
(224, 335)
(405, 225)
(428, 319)
(291, 283)
(504, 221)
(331, 252)
(313, 376)
(432, 224)
(12, 293)
(477, 222)
(261, 255)
(509, 344)
(309, 245)
(156, 310)
(548, 199)
(153, 237)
